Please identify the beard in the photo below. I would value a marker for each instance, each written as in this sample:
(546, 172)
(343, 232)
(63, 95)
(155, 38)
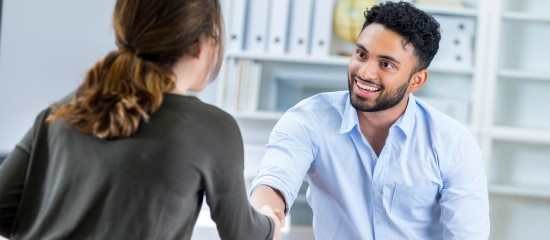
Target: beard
(387, 99)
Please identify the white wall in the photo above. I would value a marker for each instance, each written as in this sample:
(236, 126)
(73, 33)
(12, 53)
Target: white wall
(46, 46)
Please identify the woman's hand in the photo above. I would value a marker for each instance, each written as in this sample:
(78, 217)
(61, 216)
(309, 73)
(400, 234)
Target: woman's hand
(268, 211)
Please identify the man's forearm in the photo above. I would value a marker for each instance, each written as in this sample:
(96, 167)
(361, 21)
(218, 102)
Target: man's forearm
(265, 195)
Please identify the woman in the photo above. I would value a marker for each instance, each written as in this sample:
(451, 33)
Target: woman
(130, 155)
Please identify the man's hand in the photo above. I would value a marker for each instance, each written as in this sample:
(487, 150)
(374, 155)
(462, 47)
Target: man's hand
(268, 211)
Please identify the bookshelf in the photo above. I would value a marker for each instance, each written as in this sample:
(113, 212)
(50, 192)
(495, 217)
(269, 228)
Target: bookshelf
(517, 130)
(503, 90)
(288, 78)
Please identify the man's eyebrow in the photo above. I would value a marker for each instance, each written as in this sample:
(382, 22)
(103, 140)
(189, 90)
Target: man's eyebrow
(390, 58)
(359, 45)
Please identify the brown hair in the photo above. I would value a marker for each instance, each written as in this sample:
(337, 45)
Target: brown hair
(122, 90)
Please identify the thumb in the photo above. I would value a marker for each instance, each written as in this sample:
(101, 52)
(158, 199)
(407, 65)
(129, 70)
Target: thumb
(268, 211)
(280, 215)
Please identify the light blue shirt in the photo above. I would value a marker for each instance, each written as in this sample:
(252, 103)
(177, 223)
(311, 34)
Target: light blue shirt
(429, 181)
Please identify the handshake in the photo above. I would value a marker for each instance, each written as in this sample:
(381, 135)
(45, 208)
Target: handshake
(278, 217)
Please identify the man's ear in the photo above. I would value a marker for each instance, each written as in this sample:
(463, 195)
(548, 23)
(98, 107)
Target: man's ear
(417, 80)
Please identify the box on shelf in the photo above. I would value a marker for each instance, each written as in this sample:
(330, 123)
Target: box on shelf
(292, 91)
(456, 109)
(456, 49)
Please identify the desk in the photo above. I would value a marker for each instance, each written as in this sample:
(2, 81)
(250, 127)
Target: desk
(296, 233)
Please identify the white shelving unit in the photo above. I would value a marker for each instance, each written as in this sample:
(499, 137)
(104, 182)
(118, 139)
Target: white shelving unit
(516, 127)
(505, 90)
(464, 79)
(292, 78)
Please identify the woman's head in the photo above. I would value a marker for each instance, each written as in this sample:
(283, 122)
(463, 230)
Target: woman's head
(164, 31)
(123, 89)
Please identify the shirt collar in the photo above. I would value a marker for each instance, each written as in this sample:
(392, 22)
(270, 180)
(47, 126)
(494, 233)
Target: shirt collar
(349, 117)
(405, 122)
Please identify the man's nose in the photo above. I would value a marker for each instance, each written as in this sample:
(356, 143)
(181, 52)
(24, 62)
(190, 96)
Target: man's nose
(369, 70)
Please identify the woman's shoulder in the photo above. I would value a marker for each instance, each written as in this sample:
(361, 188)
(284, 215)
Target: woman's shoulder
(190, 108)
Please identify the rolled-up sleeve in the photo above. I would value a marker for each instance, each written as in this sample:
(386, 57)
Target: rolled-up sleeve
(464, 197)
(289, 155)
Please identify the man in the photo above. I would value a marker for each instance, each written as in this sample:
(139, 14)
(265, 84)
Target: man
(380, 163)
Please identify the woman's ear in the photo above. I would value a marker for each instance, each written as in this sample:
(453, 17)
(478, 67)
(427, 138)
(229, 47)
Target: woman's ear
(417, 80)
(197, 53)
(203, 48)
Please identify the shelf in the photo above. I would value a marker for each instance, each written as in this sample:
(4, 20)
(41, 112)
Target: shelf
(330, 60)
(520, 135)
(257, 115)
(467, 12)
(449, 70)
(523, 16)
(520, 191)
(523, 74)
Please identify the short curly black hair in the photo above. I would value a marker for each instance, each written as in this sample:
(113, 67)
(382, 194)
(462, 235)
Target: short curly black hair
(414, 25)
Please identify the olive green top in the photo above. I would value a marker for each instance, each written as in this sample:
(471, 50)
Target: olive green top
(59, 183)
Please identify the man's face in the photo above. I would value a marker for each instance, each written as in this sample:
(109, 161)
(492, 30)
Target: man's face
(380, 69)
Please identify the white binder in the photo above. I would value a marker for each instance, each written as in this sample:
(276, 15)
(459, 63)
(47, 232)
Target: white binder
(231, 84)
(256, 33)
(322, 28)
(277, 35)
(237, 14)
(300, 27)
(254, 87)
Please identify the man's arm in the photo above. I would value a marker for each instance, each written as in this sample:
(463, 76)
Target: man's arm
(289, 155)
(266, 195)
(464, 197)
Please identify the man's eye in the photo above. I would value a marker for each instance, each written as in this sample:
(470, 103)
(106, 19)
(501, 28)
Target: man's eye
(361, 54)
(386, 65)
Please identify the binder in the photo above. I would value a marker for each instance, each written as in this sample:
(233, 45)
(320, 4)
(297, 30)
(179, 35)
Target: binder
(300, 27)
(236, 24)
(277, 35)
(256, 33)
(244, 80)
(254, 89)
(322, 28)
(231, 83)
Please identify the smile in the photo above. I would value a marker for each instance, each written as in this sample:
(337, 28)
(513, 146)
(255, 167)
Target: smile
(366, 88)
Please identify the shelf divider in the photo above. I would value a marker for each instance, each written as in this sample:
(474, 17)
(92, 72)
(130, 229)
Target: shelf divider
(466, 11)
(520, 134)
(520, 191)
(524, 16)
(524, 74)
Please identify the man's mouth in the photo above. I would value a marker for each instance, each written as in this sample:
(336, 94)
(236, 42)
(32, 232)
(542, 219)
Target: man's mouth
(366, 87)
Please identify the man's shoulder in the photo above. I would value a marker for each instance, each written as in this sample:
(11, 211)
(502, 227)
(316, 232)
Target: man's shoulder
(323, 109)
(323, 101)
(440, 123)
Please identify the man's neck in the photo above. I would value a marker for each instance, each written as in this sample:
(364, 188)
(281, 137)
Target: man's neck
(375, 126)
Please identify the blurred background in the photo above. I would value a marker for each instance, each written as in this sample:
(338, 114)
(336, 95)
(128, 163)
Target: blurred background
(492, 73)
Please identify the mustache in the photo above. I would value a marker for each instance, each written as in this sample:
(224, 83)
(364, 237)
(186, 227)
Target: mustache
(354, 76)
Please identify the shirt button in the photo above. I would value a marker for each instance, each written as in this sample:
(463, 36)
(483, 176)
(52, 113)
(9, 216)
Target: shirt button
(376, 192)
(379, 221)
(374, 157)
